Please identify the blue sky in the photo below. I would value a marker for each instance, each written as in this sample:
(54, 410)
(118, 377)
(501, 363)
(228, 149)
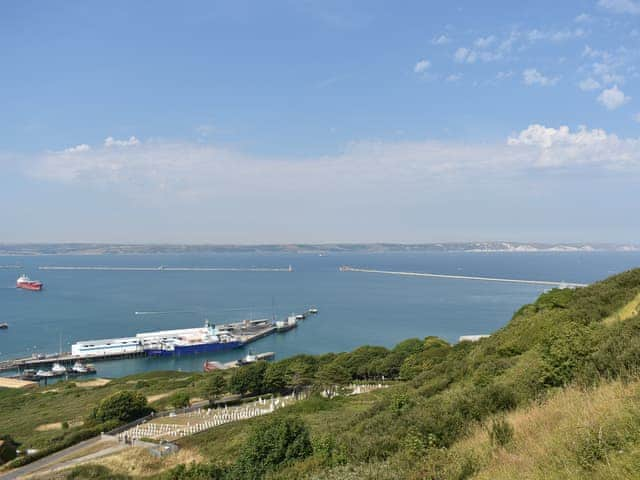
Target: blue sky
(315, 121)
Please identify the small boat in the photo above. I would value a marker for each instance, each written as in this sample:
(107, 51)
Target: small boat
(26, 283)
(4, 326)
(58, 369)
(313, 310)
(211, 365)
(301, 316)
(248, 358)
(44, 373)
(79, 367)
(28, 374)
(286, 325)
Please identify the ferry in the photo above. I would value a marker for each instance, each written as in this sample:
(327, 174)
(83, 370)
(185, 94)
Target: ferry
(26, 283)
(185, 341)
(188, 341)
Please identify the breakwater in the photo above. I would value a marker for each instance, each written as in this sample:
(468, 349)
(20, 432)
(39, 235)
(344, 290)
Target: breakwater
(550, 283)
(162, 268)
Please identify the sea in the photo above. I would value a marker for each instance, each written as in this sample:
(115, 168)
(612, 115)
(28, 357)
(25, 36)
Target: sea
(354, 308)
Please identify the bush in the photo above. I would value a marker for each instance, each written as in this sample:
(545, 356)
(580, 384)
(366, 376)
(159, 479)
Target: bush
(195, 471)
(7, 449)
(122, 406)
(279, 441)
(500, 432)
(180, 399)
(94, 472)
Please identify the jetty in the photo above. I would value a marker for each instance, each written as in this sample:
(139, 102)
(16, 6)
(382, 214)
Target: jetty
(247, 331)
(558, 284)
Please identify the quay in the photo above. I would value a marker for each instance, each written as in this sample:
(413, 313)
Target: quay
(466, 277)
(247, 331)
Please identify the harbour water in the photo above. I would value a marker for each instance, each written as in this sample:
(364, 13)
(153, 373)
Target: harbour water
(355, 308)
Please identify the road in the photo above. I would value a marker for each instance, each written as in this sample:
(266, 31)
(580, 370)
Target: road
(48, 460)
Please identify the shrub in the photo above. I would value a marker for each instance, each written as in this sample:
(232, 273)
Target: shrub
(279, 441)
(500, 432)
(94, 472)
(123, 406)
(195, 471)
(7, 449)
(180, 399)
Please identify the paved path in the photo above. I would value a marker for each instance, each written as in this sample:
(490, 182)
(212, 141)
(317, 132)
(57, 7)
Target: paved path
(48, 460)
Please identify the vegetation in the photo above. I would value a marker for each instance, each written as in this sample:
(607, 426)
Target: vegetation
(123, 407)
(552, 394)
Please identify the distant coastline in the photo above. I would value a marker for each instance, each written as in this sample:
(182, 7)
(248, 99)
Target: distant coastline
(32, 249)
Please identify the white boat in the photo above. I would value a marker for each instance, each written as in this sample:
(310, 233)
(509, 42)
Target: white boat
(313, 310)
(79, 367)
(58, 369)
(44, 373)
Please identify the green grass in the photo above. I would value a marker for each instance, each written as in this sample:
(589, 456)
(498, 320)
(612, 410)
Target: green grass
(24, 410)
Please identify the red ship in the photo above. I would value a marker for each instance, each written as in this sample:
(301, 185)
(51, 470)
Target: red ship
(28, 284)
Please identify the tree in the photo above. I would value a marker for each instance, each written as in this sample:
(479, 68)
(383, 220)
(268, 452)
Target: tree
(278, 441)
(249, 378)
(7, 449)
(331, 375)
(180, 399)
(122, 406)
(275, 377)
(213, 385)
(301, 371)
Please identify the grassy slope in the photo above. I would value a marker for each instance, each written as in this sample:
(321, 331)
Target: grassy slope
(432, 426)
(24, 410)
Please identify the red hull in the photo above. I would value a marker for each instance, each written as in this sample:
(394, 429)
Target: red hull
(36, 286)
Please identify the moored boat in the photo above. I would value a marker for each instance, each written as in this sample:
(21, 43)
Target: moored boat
(58, 369)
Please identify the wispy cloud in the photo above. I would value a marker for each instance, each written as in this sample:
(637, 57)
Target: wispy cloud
(129, 142)
(531, 76)
(421, 66)
(191, 171)
(588, 84)
(621, 6)
(441, 40)
(83, 147)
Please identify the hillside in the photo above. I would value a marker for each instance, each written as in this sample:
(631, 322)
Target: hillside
(553, 394)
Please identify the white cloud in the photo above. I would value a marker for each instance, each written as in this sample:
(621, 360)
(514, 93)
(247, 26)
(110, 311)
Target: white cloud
(83, 147)
(192, 171)
(454, 77)
(559, 147)
(464, 55)
(613, 98)
(621, 6)
(636, 117)
(531, 76)
(484, 42)
(588, 84)
(583, 18)
(441, 40)
(421, 66)
(112, 142)
(555, 35)
(504, 75)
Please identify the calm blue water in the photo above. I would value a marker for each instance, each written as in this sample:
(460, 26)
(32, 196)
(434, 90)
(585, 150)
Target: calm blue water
(355, 308)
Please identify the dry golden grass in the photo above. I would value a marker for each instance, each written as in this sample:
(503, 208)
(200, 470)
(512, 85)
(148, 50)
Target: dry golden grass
(58, 425)
(139, 462)
(96, 382)
(159, 396)
(631, 309)
(545, 435)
